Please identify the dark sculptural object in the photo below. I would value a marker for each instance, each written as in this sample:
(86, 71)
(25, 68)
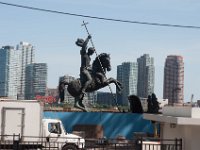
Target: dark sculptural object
(153, 104)
(135, 104)
(149, 104)
(100, 65)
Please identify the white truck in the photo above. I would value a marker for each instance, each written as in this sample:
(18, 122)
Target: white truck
(22, 125)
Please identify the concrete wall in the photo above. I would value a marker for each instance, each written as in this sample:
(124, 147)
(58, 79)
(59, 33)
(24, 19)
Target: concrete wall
(189, 134)
(114, 124)
(177, 111)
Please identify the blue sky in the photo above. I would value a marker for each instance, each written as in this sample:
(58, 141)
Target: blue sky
(54, 35)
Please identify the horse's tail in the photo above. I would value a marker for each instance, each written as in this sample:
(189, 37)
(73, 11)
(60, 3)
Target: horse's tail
(61, 90)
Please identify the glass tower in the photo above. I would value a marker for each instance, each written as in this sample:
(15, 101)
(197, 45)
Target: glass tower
(35, 80)
(146, 75)
(174, 79)
(26, 57)
(8, 74)
(127, 74)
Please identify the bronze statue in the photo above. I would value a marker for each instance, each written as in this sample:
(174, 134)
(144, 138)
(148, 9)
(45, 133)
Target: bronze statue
(100, 65)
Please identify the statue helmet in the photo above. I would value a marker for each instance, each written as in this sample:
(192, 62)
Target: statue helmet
(91, 50)
(79, 42)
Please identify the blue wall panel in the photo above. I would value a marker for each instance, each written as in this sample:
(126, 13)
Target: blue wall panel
(114, 124)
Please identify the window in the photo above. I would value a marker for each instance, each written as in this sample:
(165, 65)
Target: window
(54, 128)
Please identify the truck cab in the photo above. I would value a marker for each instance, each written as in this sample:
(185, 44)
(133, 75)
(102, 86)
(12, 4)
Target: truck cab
(54, 132)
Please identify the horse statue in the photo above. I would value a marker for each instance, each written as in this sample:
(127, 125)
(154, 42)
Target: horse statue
(100, 65)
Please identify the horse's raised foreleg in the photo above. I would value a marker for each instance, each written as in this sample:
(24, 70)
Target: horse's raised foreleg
(116, 82)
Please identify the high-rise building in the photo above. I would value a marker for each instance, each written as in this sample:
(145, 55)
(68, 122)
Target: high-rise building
(35, 80)
(127, 74)
(174, 79)
(8, 74)
(106, 98)
(26, 57)
(146, 75)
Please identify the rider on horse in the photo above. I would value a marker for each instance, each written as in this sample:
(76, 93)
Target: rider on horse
(85, 68)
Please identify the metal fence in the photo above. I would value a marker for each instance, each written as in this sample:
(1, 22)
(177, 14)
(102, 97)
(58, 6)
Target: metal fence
(45, 143)
(17, 142)
(109, 144)
(158, 144)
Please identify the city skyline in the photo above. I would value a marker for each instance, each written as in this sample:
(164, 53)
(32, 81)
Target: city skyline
(20, 77)
(54, 35)
(145, 59)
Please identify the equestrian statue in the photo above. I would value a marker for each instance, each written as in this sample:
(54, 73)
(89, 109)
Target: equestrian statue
(92, 77)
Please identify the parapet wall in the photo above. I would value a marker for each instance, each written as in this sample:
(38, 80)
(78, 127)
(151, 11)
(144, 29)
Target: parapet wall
(182, 111)
(114, 124)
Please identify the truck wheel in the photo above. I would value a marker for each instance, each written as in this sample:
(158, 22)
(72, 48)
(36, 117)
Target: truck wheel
(69, 147)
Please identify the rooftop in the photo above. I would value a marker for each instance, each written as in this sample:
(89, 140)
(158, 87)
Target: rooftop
(177, 115)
